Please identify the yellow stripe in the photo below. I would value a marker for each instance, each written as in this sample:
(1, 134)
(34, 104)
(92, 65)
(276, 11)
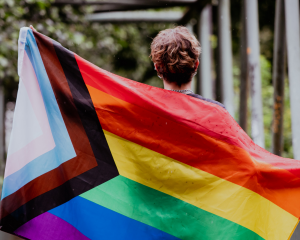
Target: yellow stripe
(201, 189)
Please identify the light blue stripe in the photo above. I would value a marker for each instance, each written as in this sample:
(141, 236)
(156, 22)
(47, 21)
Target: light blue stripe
(97, 222)
(63, 150)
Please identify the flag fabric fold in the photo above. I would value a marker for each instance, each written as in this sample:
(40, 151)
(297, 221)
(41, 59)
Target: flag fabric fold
(97, 156)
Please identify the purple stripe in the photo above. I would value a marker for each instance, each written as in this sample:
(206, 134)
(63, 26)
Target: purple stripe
(49, 227)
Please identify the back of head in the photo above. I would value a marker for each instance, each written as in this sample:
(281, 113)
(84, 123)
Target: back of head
(175, 53)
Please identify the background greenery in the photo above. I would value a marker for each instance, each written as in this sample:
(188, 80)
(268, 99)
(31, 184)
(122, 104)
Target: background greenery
(124, 48)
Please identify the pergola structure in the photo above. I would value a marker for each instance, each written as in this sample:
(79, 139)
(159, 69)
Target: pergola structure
(286, 34)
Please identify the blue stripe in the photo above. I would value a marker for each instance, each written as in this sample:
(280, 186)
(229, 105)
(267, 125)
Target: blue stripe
(97, 222)
(63, 150)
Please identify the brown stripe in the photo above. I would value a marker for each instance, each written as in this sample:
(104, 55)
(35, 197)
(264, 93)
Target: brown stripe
(84, 160)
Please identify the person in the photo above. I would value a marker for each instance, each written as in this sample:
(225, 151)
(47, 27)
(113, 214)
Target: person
(32, 28)
(175, 53)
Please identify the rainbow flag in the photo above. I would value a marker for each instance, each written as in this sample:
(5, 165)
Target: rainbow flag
(97, 156)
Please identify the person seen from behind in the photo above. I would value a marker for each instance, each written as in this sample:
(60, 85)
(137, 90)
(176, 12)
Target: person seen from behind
(175, 54)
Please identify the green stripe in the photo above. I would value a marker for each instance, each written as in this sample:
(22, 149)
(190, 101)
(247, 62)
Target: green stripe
(164, 212)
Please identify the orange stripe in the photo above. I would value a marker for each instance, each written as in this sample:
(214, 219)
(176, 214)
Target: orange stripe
(196, 149)
(207, 118)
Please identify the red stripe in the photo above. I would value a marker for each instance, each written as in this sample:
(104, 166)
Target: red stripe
(207, 118)
(196, 149)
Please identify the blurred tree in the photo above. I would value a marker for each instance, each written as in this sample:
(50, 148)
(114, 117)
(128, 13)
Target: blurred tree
(14, 14)
(123, 49)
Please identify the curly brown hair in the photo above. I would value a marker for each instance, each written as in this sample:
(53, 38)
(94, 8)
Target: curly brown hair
(175, 52)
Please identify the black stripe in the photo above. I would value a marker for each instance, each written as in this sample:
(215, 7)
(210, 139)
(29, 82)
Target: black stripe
(106, 168)
(84, 104)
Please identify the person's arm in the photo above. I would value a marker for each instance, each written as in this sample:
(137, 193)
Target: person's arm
(32, 28)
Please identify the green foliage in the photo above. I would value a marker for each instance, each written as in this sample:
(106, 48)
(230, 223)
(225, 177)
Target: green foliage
(58, 23)
(122, 49)
(267, 98)
(267, 95)
(287, 124)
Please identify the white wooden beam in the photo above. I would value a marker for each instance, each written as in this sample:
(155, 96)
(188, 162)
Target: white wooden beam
(121, 7)
(253, 50)
(136, 16)
(225, 55)
(293, 57)
(205, 66)
(124, 2)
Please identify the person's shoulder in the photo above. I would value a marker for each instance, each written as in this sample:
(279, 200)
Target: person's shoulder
(206, 99)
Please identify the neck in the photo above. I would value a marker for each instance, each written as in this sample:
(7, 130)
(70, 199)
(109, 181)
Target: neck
(174, 86)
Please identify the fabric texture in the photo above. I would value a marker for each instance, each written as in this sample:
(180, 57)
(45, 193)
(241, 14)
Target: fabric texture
(110, 158)
(206, 99)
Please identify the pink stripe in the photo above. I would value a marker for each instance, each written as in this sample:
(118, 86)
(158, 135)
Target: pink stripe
(43, 143)
(49, 227)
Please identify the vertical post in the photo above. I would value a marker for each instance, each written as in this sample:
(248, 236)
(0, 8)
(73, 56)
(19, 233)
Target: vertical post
(244, 76)
(2, 139)
(225, 55)
(205, 76)
(3, 235)
(293, 57)
(278, 78)
(189, 26)
(257, 127)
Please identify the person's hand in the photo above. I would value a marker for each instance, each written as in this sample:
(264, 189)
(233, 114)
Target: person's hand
(32, 28)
